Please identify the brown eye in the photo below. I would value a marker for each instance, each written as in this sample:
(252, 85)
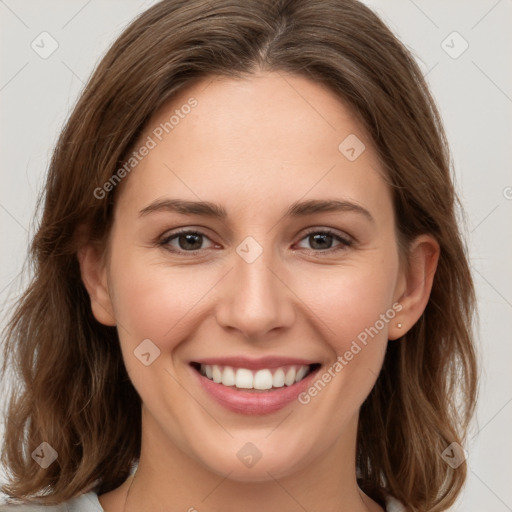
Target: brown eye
(322, 240)
(186, 241)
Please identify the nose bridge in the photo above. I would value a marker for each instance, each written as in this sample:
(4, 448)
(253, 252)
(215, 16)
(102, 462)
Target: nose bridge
(257, 300)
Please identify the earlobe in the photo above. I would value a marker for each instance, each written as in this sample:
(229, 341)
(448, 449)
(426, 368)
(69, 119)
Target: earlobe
(417, 282)
(94, 277)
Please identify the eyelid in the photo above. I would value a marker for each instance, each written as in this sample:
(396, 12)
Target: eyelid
(343, 235)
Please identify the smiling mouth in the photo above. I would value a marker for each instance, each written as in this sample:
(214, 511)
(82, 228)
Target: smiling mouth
(265, 379)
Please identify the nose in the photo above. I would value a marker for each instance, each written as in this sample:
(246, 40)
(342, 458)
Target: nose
(255, 298)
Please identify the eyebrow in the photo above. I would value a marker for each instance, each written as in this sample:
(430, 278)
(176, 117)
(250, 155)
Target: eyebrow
(216, 211)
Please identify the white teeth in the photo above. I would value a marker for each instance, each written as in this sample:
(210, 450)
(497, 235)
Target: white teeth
(216, 374)
(228, 376)
(301, 373)
(278, 379)
(243, 378)
(290, 376)
(263, 379)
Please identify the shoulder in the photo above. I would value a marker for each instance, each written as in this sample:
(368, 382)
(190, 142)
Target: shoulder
(393, 505)
(87, 502)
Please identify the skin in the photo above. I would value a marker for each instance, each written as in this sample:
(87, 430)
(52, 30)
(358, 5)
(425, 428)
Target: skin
(254, 146)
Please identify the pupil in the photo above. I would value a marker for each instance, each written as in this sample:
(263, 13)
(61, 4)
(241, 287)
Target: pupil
(317, 236)
(188, 237)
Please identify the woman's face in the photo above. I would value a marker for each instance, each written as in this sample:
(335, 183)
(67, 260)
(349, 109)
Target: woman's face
(262, 289)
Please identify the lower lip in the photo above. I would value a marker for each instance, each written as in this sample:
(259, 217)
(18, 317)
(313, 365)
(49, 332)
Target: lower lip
(252, 403)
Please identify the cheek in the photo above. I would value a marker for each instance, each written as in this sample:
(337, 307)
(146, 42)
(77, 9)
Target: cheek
(155, 301)
(353, 308)
(159, 303)
(348, 301)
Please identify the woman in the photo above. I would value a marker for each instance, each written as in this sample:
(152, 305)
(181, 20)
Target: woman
(257, 369)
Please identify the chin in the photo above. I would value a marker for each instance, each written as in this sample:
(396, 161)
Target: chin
(247, 463)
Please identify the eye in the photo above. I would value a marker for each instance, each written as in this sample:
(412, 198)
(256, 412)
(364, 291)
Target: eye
(187, 241)
(190, 241)
(321, 239)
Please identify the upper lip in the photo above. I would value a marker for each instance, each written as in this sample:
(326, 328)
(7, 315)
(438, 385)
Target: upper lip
(255, 363)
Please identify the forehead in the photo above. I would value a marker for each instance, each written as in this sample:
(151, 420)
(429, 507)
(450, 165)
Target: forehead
(266, 139)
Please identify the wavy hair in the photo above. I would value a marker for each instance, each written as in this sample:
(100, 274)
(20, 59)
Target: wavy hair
(72, 389)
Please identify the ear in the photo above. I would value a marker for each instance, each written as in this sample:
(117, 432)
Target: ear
(94, 276)
(415, 284)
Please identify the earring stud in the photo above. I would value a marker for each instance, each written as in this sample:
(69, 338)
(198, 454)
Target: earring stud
(399, 325)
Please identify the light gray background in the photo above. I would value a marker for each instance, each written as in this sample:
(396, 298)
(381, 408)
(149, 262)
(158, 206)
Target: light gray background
(474, 93)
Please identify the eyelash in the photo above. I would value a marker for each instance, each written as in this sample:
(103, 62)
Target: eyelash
(345, 242)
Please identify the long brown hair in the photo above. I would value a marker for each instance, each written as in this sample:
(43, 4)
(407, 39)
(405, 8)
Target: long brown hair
(73, 390)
